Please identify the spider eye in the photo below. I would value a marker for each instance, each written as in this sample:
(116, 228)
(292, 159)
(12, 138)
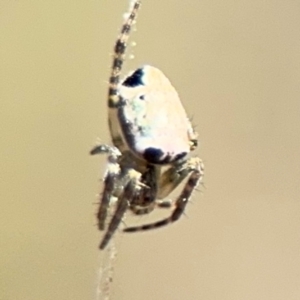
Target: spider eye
(135, 79)
(142, 97)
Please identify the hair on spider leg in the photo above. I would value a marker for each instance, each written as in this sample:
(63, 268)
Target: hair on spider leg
(203, 185)
(199, 192)
(192, 202)
(194, 126)
(95, 224)
(98, 195)
(185, 215)
(123, 223)
(191, 118)
(96, 203)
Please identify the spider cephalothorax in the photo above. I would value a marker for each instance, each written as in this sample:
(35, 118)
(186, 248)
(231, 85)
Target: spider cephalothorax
(152, 137)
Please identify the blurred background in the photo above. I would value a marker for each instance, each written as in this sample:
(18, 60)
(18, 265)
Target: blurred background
(236, 66)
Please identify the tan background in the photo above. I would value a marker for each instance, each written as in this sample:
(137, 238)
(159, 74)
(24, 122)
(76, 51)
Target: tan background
(236, 65)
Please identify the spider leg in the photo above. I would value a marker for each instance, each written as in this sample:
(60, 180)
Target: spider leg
(141, 210)
(109, 181)
(171, 178)
(195, 169)
(130, 189)
(113, 152)
(167, 203)
(114, 100)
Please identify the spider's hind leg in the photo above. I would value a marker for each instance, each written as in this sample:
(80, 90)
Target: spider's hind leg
(194, 169)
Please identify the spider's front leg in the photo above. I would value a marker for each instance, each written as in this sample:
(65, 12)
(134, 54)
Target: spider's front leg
(110, 179)
(194, 169)
(132, 187)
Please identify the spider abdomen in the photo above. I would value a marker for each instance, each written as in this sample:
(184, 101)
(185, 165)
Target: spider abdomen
(152, 119)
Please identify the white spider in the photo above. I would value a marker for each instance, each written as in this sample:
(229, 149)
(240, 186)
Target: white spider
(151, 137)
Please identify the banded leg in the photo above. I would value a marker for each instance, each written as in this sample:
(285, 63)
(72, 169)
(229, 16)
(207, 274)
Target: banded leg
(114, 80)
(130, 189)
(109, 182)
(195, 168)
(171, 178)
(141, 210)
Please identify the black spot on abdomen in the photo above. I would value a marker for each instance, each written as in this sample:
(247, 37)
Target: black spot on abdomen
(135, 79)
(157, 156)
(153, 155)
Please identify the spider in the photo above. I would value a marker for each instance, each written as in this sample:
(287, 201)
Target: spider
(152, 137)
